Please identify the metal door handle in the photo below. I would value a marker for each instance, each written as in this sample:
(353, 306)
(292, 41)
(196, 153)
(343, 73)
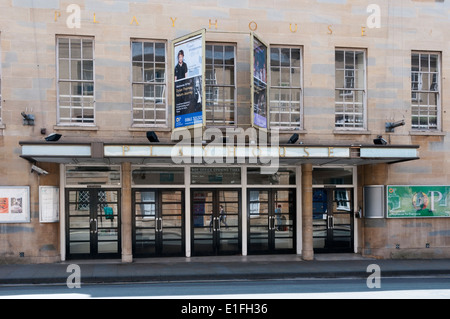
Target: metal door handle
(96, 226)
(330, 222)
(160, 224)
(271, 222)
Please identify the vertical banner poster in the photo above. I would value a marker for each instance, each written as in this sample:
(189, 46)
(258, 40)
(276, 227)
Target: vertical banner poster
(259, 84)
(418, 201)
(14, 204)
(189, 90)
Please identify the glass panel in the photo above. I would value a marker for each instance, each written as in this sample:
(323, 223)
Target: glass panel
(229, 55)
(284, 176)
(108, 235)
(88, 70)
(136, 48)
(158, 176)
(89, 175)
(209, 56)
(64, 72)
(108, 247)
(75, 48)
(149, 52)
(415, 62)
(149, 72)
(79, 235)
(79, 222)
(75, 69)
(88, 50)
(80, 247)
(332, 176)
(160, 52)
(434, 62)
(144, 247)
(225, 175)
(63, 49)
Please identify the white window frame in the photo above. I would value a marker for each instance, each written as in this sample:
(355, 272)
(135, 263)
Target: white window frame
(71, 121)
(150, 122)
(216, 87)
(351, 126)
(293, 125)
(415, 94)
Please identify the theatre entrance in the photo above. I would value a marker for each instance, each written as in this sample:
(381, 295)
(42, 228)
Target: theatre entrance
(333, 220)
(158, 228)
(216, 227)
(93, 223)
(271, 221)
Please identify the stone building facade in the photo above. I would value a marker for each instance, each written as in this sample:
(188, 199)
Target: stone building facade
(339, 73)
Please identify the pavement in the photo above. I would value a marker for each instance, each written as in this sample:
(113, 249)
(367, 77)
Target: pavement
(219, 268)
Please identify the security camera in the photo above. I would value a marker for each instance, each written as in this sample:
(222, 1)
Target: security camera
(38, 170)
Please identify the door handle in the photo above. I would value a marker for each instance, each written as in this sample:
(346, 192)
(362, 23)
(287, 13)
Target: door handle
(330, 222)
(160, 224)
(271, 222)
(96, 226)
(216, 224)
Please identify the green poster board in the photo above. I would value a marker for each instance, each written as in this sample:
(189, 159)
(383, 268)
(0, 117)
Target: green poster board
(418, 201)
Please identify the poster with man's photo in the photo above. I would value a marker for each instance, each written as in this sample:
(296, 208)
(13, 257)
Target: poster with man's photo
(14, 204)
(259, 84)
(188, 79)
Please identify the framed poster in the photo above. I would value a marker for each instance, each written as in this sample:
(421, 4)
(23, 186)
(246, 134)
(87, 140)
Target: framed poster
(48, 204)
(259, 83)
(189, 84)
(14, 204)
(417, 201)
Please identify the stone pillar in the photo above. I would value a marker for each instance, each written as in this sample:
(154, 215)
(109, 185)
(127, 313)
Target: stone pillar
(127, 246)
(307, 213)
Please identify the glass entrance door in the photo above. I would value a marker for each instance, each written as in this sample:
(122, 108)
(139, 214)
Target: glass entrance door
(158, 228)
(333, 220)
(271, 221)
(215, 222)
(93, 223)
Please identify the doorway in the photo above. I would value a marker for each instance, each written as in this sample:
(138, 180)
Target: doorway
(158, 228)
(93, 223)
(216, 227)
(333, 220)
(271, 221)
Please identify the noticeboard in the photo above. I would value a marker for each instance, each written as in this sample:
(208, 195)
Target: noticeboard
(14, 204)
(48, 204)
(417, 201)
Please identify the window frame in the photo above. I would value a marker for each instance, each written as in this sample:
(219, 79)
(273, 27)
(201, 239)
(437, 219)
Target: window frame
(428, 91)
(59, 80)
(352, 126)
(164, 83)
(300, 126)
(221, 86)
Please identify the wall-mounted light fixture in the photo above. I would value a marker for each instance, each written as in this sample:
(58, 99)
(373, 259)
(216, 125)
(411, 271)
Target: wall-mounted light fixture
(390, 126)
(293, 139)
(28, 119)
(152, 137)
(380, 141)
(54, 137)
